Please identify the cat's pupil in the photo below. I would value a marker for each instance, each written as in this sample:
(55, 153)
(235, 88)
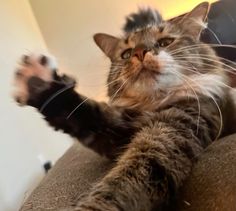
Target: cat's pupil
(157, 45)
(126, 54)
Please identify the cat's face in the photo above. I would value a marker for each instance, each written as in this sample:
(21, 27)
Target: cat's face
(159, 58)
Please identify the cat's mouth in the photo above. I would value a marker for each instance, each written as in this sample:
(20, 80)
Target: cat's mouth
(150, 67)
(149, 70)
(146, 74)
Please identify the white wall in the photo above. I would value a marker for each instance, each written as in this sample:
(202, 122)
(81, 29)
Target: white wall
(23, 134)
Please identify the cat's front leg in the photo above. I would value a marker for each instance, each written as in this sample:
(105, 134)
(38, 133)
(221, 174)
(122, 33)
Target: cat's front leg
(150, 172)
(96, 125)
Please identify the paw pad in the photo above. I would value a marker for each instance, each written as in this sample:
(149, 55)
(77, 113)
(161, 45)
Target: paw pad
(39, 68)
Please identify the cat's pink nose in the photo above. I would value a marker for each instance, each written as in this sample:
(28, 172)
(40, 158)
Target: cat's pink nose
(140, 52)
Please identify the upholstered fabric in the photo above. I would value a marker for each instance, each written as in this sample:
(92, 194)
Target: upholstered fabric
(211, 184)
(72, 175)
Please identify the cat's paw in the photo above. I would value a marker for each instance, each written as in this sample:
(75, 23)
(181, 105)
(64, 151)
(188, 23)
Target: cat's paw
(33, 75)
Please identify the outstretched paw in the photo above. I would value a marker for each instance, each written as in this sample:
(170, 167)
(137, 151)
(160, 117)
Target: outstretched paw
(33, 76)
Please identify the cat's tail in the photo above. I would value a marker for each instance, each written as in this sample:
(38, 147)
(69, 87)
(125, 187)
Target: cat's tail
(141, 19)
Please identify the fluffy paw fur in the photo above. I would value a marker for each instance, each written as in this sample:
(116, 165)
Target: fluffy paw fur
(34, 74)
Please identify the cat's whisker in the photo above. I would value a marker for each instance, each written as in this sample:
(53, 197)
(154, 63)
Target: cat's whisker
(214, 34)
(219, 110)
(116, 65)
(186, 78)
(59, 92)
(217, 81)
(202, 74)
(208, 59)
(193, 70)
(213, 56)
(87, 98)
(221, 117)
(210, 69)
(107, 84)
(204, 25)
(217, 105)
(118, 90)
(188, 47)
(200, 45)
(86, 73)
(215, 102)
(73, 111)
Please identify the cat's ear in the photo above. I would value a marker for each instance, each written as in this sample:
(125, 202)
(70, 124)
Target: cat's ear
(106, 43)
(194, 22)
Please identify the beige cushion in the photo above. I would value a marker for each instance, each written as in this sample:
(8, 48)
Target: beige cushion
(212, 183)
(72, 175)
(79, 168)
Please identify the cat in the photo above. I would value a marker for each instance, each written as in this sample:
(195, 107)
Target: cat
(168, 100)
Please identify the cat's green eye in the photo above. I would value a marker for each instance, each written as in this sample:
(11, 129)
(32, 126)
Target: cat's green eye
(164, 42)
(126, 54)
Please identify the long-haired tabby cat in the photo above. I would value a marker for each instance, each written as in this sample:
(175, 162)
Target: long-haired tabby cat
(169, 96)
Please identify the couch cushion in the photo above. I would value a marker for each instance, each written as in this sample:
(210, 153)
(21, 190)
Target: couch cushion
(73, 174)
(211, 185)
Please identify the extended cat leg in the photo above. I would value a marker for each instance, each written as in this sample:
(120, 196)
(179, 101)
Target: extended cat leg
(96, 125)
(153, 167)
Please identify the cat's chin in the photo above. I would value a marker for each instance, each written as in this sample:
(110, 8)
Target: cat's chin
(148, 74)
(151, 71)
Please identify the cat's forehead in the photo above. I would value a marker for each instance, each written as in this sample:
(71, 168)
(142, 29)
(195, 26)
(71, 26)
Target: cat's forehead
(149, 33)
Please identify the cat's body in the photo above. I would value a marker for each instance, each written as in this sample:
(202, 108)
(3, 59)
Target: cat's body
(166, 106)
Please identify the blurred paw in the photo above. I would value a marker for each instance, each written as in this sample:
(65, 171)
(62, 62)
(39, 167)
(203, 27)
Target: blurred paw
(34, 75)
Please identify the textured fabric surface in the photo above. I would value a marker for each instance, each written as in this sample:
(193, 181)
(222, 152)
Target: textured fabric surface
(71, 176)
(212, 177)
(212, 183)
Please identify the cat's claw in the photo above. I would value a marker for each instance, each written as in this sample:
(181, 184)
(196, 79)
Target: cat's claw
(34, 70)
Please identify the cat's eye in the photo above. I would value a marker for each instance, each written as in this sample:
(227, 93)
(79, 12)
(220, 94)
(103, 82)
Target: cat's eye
(126, 54)
(164, 42)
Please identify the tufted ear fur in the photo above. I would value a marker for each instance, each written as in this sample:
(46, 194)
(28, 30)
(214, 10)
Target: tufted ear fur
(194, 22)
(106, 43)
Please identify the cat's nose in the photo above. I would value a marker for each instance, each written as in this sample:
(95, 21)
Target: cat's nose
(140, 51)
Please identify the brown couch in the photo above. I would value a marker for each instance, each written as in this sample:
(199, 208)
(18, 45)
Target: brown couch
(211, 186)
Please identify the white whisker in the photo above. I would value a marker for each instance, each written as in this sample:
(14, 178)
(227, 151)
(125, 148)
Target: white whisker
(214, 34)
(114, 95)
(200, 45)
(197, 98)
(73, 111)
(218, 107)
(206, 59)
(203, 74)
(86, 99)
(55, 95)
